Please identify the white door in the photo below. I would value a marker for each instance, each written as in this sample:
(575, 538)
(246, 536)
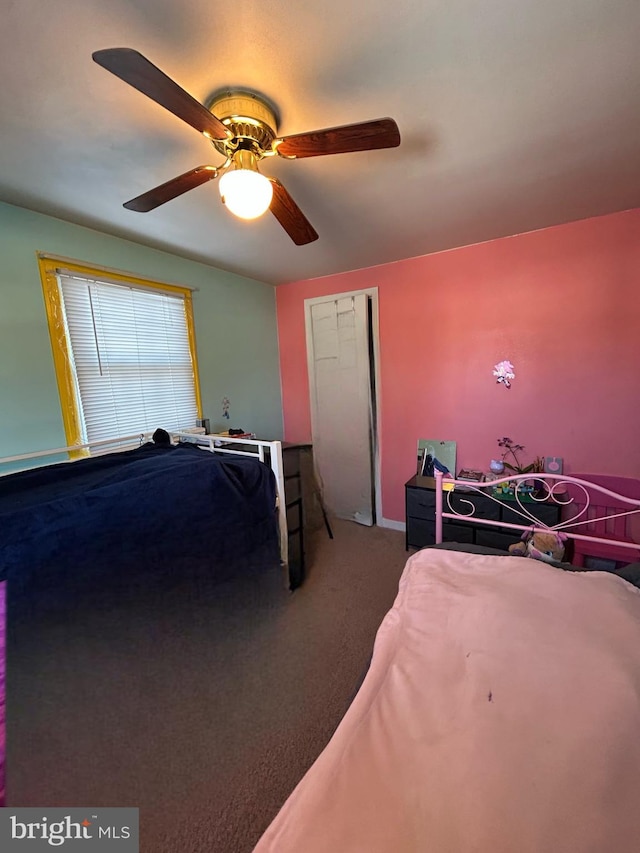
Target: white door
(340, 374)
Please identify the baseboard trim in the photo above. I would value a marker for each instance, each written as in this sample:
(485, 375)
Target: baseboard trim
(392, 525)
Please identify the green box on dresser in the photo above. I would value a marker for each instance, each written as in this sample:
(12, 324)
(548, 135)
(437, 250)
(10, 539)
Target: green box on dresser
(420, 511)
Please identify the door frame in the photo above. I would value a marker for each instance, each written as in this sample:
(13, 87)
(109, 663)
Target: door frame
(372, 293)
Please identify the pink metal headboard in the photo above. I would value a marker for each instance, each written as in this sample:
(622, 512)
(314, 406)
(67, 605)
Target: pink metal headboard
(554, 490)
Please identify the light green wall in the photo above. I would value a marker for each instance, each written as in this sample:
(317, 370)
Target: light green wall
(235, 318)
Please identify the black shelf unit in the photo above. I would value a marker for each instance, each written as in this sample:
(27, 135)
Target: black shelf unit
(420, 506)
(293, 491)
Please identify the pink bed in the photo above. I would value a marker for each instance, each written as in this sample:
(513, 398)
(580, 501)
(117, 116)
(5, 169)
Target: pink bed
(500, 713)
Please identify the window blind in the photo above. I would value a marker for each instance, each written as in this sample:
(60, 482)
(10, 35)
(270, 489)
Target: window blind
(131, 357)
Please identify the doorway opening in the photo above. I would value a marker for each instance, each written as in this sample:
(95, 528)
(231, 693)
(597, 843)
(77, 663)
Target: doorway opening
(343, 357)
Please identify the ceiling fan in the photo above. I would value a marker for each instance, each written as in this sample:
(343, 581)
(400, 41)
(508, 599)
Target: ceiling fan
(242, 127)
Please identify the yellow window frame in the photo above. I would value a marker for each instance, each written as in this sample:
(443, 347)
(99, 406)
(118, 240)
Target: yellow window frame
(49, 265)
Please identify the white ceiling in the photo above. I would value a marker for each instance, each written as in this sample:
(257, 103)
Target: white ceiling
(514, 115)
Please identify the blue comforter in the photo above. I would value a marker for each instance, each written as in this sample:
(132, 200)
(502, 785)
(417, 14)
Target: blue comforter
(143, 516)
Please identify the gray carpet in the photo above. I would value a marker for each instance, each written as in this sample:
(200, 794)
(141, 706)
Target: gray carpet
(202, 709)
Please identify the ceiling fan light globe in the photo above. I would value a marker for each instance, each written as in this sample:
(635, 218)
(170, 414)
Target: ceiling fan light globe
(246, 193)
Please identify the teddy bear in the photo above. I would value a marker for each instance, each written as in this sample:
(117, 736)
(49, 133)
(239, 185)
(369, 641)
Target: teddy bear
(540, 544)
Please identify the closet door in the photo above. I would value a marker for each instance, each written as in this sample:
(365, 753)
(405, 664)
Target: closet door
(340, 374)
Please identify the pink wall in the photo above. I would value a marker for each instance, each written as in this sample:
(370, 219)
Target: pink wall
(563, 304)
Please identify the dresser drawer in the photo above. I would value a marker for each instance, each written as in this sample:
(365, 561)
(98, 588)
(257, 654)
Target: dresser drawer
(420, 532)
(294, 517)
(546, 513)
(296, 559)
(456, 532)
(421, 503)
(291, 461)
(484, 507)
(292, 489)
(496, 538)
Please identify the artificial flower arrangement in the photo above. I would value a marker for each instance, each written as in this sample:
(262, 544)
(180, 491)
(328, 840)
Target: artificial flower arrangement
(512, 449)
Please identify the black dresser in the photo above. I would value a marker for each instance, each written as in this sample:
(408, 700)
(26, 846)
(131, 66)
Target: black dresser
(293, 459)
(420, 504)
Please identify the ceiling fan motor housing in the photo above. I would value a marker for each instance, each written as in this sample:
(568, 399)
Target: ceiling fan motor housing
(251, 120)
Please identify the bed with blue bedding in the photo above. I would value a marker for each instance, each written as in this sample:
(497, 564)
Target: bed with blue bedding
(133, 520)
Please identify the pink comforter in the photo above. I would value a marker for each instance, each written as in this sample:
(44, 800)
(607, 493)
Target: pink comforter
(500, 714)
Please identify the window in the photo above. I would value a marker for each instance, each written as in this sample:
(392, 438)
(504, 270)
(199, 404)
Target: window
(124, 352)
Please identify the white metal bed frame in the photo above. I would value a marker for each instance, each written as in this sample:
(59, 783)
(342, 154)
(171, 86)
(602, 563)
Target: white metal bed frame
(268, 452)
(552, 490)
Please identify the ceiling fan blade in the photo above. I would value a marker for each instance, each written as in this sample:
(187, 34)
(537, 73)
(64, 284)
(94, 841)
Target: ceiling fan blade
(137, 71)
(289, 215)
(380, 133)
(172, 189)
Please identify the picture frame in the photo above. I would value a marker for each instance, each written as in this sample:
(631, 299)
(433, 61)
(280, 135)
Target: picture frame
(553, 464)
(436, 454)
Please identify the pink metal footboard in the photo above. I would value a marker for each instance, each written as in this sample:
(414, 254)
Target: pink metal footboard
(559, 489)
